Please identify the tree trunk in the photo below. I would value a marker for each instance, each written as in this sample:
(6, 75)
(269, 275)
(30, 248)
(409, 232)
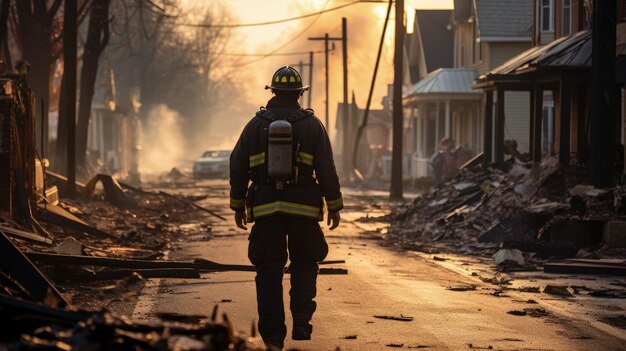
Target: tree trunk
(35, 31)
(97, 40)
(4, 22)
(60, 146)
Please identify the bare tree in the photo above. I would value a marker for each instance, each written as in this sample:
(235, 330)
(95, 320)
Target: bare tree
(97, 40)
(4, 28)
(35, 22)
(169, 64)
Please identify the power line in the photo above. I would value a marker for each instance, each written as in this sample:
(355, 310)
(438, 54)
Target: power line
(270, 54)
(239, 25)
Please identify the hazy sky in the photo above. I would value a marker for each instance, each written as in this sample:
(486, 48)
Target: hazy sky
(365, 22)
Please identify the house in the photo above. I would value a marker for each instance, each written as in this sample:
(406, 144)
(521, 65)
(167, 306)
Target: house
(442, 104)
(375, 140)
(112, 141)
(556, 74)
(429, 47)
(482, 34)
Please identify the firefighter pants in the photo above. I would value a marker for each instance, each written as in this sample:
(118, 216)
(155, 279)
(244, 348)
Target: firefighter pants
(272, 240)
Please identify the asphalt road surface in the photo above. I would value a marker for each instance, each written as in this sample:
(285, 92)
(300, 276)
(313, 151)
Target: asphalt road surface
(381, 281)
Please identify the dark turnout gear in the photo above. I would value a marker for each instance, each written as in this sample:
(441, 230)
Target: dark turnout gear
(286, 218)
(314, 175)
(287, 79)
(269, 241)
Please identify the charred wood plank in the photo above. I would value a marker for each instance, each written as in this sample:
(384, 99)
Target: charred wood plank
(20, 268)
(24, 235)
(106, 261)
(606, 261)
(583, 268)
(25, 307)
(80, 187)
(121, 263)
(57, 215)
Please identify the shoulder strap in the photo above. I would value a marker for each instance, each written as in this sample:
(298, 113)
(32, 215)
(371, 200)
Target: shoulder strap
(300, 115)
(266, 114)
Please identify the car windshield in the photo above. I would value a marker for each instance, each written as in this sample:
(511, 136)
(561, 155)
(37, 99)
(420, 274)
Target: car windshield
(216, 153)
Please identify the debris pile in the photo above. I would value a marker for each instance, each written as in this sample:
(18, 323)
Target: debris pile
(111, 240)
(30, 325)
(530, 207)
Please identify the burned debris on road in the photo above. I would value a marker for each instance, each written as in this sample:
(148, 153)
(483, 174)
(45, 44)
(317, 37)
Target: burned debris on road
(542, 208)
(66, 260)
(62, 267)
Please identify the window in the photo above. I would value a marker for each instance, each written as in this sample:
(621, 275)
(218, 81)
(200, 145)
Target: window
(566, 22)
(547, 19)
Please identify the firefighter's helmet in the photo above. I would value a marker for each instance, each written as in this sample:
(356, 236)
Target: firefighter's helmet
(287, 79)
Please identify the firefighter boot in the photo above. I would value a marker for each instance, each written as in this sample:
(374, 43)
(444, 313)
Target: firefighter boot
(302, 328)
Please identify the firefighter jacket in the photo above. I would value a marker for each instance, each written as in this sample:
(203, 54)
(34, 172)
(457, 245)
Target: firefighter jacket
(314, 178)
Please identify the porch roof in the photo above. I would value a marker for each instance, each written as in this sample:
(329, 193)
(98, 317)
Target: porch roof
(444, 81)
(571, 52)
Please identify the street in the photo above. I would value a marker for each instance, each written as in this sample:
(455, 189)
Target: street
(381, 281)
(469, 155)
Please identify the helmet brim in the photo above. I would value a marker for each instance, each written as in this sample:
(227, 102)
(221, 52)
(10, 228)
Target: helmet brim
(273, 87)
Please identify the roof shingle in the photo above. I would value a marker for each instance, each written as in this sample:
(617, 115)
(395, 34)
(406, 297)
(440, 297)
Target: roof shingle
(445, 81)
(504, 18)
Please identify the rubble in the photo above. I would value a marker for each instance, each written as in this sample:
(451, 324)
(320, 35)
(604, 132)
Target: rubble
(529, 208)
(111, 240)
(32, 325)
(557, 290)
(616, 321)
(532, 312)
(462, 288)
(506, 256)
(586, 267)
(400, 318)
(69, 246)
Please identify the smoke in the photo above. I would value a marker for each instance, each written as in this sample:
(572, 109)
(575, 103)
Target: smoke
(240, 79)
(365, 23)
(162, 142)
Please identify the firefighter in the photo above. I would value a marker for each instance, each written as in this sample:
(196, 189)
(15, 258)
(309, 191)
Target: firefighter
(281, 173)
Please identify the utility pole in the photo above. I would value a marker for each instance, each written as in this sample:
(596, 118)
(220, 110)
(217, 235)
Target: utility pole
(396, 153)
(310, 76)
(301, 66)
(69, 75)
(300, 70)
(325, 38)
(327, 80)
(603, 90)
(346, 117)
(345, 124)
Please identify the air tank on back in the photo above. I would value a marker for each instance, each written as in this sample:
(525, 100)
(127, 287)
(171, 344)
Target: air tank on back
(279, 152)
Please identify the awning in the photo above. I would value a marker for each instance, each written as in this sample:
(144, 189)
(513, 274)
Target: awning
(571, 52)
(448, 81)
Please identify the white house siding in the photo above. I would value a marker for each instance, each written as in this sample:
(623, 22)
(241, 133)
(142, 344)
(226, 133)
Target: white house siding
(500, 52)
(517, 118)
(546, 37)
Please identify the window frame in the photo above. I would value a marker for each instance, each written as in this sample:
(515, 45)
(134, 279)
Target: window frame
(567, 8)
(550, 7)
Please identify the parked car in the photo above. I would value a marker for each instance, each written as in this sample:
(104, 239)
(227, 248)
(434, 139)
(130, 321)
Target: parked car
(212, 164)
